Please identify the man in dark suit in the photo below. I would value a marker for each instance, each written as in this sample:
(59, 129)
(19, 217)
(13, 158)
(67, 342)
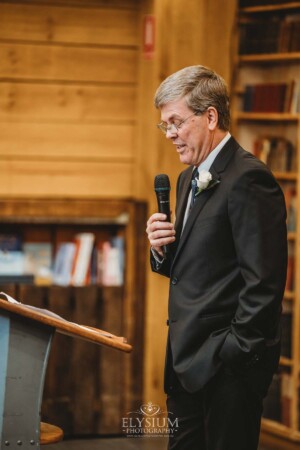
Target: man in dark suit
(227, 269)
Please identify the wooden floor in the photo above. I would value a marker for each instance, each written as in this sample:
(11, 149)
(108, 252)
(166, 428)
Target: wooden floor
(141, 444)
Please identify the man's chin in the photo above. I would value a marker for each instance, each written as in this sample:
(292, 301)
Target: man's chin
(184, 159)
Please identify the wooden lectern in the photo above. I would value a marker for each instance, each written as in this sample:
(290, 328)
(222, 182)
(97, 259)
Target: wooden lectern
(25, 340)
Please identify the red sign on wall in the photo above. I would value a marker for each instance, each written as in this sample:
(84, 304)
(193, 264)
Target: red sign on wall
(148, 36)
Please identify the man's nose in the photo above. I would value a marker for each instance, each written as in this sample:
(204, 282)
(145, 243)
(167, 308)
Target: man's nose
(171, 132)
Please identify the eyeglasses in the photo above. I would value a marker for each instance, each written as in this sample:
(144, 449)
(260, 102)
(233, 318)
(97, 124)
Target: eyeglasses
(173, 127)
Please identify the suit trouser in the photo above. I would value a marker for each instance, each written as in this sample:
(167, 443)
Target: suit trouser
(226, 413)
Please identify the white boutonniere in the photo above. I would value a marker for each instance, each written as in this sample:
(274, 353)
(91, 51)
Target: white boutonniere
(205, 181)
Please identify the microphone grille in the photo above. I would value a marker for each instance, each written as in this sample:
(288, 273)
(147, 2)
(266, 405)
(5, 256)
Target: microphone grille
(162, 182)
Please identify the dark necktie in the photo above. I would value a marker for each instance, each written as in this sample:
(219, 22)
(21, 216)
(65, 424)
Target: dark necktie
(194, 186)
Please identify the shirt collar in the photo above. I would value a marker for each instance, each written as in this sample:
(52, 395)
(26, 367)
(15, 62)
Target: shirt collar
(207, 163)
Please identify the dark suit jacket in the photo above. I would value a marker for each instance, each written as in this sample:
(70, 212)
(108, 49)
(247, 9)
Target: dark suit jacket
(227, 269)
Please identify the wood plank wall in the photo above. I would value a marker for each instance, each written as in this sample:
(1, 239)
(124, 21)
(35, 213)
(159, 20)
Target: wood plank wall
(68, 81)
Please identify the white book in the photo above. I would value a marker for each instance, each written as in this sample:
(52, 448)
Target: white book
(111, 271)
(63, 264)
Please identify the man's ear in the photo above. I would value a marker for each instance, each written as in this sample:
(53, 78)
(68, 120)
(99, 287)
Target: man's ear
(213, 116)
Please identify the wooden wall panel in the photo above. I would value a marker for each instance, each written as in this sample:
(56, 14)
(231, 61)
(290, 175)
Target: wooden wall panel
(74, 179)
(66, 141)
(68, 80)
(71, 25)
(67, 63)
(40, 102)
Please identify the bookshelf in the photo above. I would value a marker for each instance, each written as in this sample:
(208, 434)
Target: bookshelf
(96, 388)
(262, 61)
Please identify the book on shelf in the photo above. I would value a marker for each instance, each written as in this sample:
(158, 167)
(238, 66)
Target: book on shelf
(286, 398)
(110, 265)
(10, 242)
(290, 195)
(94, 265)
(73, 261)
(12, 262)
(286, 329)
(119, 243)
(38, 261)
(272, 97)
(63, 264)
(292, 101)
(259, 35)
(84, 243)
(28, 262)
(289, 286)
(289, 36)
(277, 153)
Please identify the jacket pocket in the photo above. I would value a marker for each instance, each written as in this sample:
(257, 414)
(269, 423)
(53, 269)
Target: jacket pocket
(217, 315)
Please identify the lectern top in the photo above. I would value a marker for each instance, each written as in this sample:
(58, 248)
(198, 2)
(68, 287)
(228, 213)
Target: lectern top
(63, 326)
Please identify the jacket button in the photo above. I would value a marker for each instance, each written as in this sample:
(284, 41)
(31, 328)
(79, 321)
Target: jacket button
(174, 280)
(167, 322)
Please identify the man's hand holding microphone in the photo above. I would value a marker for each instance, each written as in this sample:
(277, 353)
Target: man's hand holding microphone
(159, 229)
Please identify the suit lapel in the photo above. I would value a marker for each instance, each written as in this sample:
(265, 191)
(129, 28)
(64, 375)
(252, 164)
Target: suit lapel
(218, 166)
(198, 206)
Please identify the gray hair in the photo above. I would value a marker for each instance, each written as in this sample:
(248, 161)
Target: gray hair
(201, 87)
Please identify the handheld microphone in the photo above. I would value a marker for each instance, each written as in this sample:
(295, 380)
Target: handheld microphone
(162, 189)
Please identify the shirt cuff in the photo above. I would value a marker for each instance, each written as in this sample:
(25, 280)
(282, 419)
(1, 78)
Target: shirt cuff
(158, 258)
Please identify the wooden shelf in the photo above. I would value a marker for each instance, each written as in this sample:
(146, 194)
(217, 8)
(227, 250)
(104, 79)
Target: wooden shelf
(265, 116)
(266, 58)
(289, 295)
(276, 427)
(270, 440)
(286, 362)
(292, 235)
(270, 8)
(287, 176)
(297, 435)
